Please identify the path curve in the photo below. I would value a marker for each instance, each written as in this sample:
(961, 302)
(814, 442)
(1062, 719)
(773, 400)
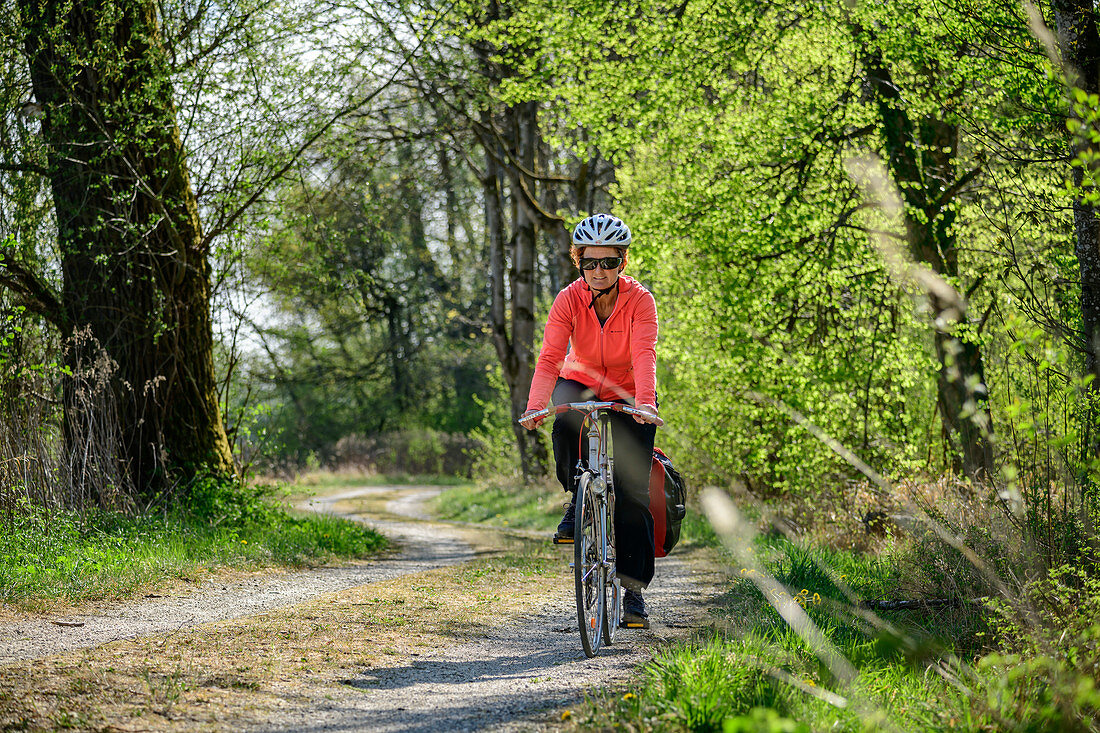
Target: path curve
(418, 547)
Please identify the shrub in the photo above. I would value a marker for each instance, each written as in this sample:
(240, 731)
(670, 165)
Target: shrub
(415, 451)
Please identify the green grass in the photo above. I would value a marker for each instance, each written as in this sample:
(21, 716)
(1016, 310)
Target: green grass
(767, 680)
(751, 672)
(825, 571)
(350, 479)
(696, 530)
(507, 504)
(503, 504)
(915, 670)
(53, 557)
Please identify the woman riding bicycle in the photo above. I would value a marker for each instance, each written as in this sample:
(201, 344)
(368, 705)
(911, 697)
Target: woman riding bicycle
(599, 344)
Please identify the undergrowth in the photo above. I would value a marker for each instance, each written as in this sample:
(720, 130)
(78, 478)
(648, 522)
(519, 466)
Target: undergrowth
(970, 666)
(325, 479)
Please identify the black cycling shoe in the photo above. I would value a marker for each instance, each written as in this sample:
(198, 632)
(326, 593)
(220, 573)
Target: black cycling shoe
(565, 528)
(634, 615)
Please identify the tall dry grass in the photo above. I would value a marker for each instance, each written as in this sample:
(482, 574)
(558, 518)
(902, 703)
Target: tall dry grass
(57, 458)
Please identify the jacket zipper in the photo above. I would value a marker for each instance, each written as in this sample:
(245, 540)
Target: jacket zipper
(603, 369)
(603, 365)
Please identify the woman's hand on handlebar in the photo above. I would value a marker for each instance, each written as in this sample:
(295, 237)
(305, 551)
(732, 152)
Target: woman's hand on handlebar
(651, 418)
(529, 421)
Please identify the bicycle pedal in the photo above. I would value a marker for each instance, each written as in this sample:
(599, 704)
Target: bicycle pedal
(563, 540)
(633, 625)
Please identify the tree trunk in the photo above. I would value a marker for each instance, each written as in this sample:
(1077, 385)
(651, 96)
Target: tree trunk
(134, 265)
(515, 345)
(921, 161)
(559, 276)
(1079, 42)
(525, 238)
(513, 337)
(450, 207)
(961, 386)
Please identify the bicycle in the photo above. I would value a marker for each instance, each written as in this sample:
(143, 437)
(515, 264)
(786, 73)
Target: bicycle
(599, 594)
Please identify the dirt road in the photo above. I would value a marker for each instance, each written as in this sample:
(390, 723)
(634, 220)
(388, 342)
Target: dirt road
(460, 629)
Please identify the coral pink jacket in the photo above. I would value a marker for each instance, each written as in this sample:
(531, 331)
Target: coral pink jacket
(618, 360)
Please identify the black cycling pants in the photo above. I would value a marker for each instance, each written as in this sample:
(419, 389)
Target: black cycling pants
(633, 450)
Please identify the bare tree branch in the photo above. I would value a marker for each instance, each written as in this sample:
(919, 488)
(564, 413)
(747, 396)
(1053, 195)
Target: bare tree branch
(35, 293)
(24, 168)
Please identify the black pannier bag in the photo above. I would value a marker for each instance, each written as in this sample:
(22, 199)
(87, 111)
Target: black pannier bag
(667, 499)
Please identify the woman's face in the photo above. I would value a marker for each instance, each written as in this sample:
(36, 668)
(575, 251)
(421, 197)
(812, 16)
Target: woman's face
(599, 278)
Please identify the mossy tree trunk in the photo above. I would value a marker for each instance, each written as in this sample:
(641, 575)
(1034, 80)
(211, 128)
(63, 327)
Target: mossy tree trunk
(1079, 42)
(510, 139)
(134, 263)
(921, 155)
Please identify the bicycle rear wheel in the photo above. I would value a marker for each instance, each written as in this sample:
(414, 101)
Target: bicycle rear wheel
(589, 573)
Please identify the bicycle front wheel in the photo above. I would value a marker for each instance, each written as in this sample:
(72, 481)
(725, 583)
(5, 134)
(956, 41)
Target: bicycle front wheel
(613, 591)
(588, 570)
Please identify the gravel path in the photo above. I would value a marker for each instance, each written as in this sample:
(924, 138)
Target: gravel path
(517, 676)
(420, 547)
(514, 679)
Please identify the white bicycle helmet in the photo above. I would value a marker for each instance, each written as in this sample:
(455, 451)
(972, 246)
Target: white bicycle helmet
(601, 230)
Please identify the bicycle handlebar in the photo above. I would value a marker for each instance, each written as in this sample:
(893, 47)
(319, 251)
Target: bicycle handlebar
(592, 406)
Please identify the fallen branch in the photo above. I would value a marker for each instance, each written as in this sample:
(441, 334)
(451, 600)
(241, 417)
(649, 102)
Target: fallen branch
(918, 603)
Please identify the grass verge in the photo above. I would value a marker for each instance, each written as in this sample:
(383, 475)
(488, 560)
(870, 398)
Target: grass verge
(503, 503)
(56, 558)
(314, 480)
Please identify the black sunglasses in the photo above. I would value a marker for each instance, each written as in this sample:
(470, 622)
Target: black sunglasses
(607, 263)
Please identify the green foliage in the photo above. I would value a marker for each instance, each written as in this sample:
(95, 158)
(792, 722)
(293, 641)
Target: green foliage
(376, 325)
(1039, 694)
(732, 124)
(1085, 128)
(215, 501)
(1058, 619)
(1049, 409)
(497, 456)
